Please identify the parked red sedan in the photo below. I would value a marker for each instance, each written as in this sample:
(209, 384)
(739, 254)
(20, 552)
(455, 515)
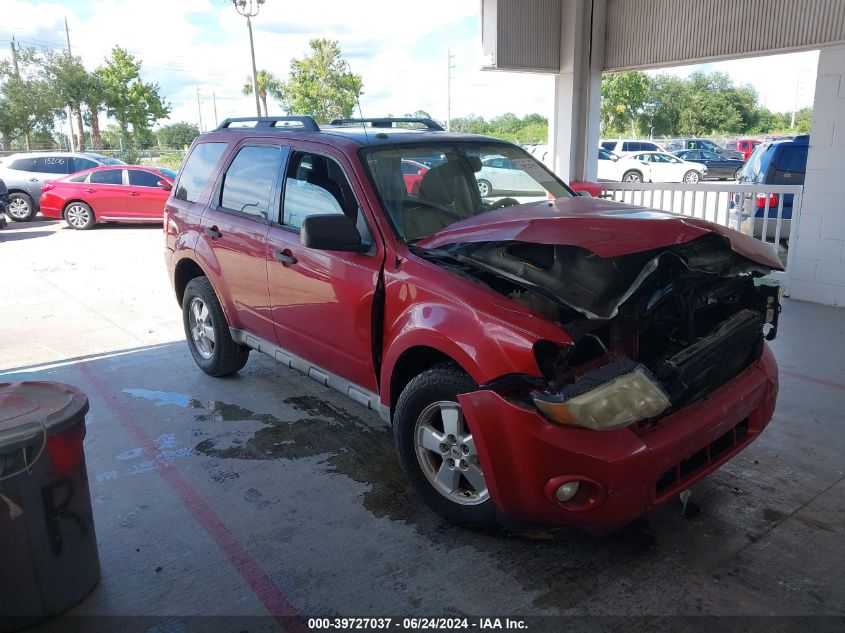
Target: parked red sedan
(124, 193)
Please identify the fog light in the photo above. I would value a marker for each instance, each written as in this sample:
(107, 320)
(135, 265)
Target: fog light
(566, 491)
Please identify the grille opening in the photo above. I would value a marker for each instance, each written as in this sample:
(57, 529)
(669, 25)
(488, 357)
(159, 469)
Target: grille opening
(693, 463)
(701, 458)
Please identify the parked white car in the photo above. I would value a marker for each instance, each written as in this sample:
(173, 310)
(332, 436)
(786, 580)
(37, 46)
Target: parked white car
(622, 146)
(610, 166)
(501, 175)
(659, 167)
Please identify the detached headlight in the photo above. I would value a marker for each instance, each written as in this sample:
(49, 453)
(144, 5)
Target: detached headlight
(606, 398)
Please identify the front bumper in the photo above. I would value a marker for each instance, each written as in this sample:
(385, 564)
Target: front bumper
(623, 473)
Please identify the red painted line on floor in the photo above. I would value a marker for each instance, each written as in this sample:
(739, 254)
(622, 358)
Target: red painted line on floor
(273, 599)
(818, 381)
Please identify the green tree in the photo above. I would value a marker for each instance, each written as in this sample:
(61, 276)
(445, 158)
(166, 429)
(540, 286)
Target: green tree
(129, 99)
(268, 84)
(68, 79)
(622, 98)
(95, 102)
(177, 135)
(29, 102)
(321, 84)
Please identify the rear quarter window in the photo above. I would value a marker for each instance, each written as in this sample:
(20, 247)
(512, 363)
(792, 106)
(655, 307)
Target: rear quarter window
(197, 170)
(792, 159)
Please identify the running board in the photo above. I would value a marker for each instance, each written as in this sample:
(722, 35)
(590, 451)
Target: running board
(326, 378)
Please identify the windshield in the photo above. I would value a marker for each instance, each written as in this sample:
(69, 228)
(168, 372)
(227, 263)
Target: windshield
(426, 187)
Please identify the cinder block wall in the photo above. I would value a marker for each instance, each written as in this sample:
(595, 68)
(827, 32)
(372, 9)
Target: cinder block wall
(819, 266)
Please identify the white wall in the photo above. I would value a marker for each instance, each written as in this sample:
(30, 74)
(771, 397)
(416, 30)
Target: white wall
(819, 266)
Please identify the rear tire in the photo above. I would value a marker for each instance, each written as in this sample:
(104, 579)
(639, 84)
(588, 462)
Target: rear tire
(79, 216)
(485, 188)
(207, 331)
(632, 176)
(443, 471)
(21, 208)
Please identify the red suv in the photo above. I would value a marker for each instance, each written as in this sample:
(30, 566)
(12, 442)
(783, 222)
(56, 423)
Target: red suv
(549, 359)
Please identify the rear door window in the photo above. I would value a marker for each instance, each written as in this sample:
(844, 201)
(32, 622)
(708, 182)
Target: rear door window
(52, 165)
(197, 170)
(250, 181)
(107, 177)
(790, 166)
(23, 164)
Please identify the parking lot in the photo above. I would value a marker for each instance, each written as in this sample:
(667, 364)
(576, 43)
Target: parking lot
(267, 493)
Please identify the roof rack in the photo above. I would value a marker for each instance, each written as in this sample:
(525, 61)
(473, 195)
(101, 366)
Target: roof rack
(308, 123)
(389, 121)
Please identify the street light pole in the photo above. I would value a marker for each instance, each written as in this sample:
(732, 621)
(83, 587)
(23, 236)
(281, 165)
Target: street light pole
(249, 9)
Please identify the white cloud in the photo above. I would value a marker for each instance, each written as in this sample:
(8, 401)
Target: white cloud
(400, 49)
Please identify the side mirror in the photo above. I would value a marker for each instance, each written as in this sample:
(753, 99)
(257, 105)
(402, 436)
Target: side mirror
(333, 232)
(164, 185)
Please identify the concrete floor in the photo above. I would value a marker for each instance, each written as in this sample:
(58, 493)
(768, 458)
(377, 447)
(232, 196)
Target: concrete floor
(266, 493)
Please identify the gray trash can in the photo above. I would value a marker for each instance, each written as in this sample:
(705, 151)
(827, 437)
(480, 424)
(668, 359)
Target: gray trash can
(48, 549)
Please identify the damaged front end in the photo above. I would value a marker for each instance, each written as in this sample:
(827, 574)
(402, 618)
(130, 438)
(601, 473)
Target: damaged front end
(652, 331)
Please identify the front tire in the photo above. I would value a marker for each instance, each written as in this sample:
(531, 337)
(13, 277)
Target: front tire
(207, 331)
(691, 177)
(632, 176)
(437, 450)
(21, 208)
(79, 216)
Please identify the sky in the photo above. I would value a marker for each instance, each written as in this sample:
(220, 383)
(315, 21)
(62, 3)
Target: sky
(401, 52)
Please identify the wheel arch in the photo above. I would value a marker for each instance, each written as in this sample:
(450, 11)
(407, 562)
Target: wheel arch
(185, 270)
(410, 363)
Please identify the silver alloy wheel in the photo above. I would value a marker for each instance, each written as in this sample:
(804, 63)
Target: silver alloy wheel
(691, 178)
(18, 208)
(484, 188)
(202, 327)
(447, 455)
(633, 177)
(77, 216)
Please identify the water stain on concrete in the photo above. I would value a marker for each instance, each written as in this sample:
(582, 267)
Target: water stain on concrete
(362, 452)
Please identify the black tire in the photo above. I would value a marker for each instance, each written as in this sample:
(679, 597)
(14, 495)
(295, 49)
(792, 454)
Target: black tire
(21, 208)
(737, 173)
(79, 216)
(224, 357)
(441, 383)
(632, 176)
(485, 188)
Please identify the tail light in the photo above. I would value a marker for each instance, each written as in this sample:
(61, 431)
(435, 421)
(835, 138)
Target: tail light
(761, 201)
(47, 186)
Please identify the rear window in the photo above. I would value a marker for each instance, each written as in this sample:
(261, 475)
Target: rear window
(793, 159)
(23, 164)
(197, 170)
(608, 145)
(757, 167)
(79, 178)
(78, 164)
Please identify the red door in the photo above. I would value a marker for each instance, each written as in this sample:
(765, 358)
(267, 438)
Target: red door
(106, 194)
(322, 300)
(233, 238)
(145, 199)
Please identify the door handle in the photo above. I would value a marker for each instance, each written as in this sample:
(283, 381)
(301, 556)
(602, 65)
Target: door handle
(286, 257)
(212, 232)
(90, 191)
(133, 194)
(34, 180)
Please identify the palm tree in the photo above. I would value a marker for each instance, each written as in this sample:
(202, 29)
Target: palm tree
(267, 83)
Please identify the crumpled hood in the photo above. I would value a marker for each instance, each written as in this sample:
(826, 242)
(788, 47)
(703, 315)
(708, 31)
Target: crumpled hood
(608, 229)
